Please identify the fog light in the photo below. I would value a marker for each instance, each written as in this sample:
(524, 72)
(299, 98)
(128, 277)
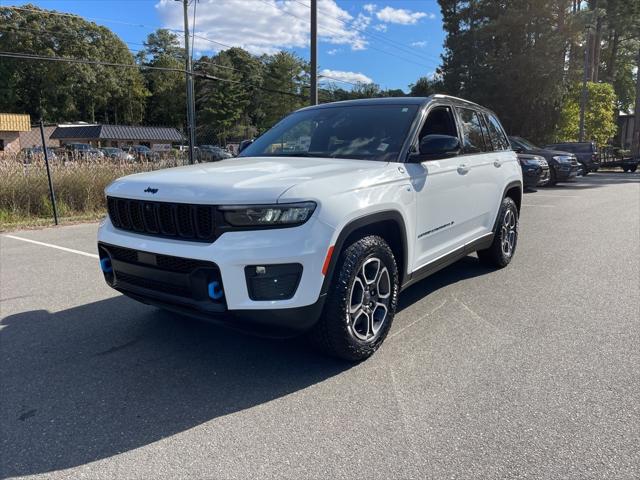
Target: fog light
(273, 282)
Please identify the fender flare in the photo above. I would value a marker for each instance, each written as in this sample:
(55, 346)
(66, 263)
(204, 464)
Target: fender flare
(510, 185)
(361, 222)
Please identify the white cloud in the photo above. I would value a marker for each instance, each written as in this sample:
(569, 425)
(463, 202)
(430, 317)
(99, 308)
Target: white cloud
(370, 7)
(265, 26)
(350, 77)
(333, 51)
(399, 15)
(381, 27)
(420, 44)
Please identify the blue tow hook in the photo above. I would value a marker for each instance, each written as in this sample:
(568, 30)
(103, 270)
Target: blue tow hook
(105, 265)
(215, 291)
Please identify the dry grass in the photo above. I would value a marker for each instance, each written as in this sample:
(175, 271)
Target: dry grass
(79, 189)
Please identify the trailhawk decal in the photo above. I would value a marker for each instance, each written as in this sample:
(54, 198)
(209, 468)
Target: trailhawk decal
(433, 230)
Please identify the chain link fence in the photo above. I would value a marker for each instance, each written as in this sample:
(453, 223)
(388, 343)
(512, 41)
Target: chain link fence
(78, 177)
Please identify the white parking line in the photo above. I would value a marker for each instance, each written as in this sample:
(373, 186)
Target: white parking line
(70, 250)
(554, 196)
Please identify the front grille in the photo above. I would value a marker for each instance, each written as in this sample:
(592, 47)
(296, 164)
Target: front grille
(161, 275)
(165, 262)
(179, 220)
(151, 284)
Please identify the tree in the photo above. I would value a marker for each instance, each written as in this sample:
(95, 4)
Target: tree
(166, 104)
(426, 86)
(600, 116)
(509, 56)
(62, 91)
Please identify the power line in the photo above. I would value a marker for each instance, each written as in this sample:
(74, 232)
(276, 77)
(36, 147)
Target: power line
(380, 38)
(28, 56)
(339, 33)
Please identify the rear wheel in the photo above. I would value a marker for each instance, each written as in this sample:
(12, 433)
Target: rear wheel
(552, 177)
(361, 302)
(633, 168)
(505, 238)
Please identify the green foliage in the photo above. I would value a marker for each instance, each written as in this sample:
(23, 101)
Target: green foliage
(600, 115)
(63, 91)
(167, 89)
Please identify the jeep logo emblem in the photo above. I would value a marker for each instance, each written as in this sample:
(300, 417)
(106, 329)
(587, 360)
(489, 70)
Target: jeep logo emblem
(150, 190)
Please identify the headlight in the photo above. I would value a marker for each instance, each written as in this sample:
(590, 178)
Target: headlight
(268, 215)
(562, 158)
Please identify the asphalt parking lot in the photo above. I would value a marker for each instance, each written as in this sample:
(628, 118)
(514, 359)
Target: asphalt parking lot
(528, 372)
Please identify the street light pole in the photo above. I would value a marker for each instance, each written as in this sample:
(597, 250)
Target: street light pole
(313, 94)
(191, 123)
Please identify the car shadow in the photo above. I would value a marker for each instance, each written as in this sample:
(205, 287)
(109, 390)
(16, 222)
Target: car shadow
(595, 180)
(100, 379)
(468, 267)
(93, 381)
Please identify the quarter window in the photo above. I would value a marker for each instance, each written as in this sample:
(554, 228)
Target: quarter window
(496, 134)
(472, 132)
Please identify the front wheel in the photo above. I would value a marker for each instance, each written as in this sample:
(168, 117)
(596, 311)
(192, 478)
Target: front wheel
(361, 302)
(553, 179)
(505, 236)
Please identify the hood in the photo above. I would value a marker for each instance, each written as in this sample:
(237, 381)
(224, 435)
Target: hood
(243, 180)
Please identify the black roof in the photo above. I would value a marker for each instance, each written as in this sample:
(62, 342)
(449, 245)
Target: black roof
(393, 101)
(118, 132)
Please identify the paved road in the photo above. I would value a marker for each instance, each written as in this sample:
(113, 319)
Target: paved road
(528, 372)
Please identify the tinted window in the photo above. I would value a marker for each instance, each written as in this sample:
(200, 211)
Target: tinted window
(439, 122)
(370, 132)
(522, 143)
(496, 134)
(472, 131)
(575, 147)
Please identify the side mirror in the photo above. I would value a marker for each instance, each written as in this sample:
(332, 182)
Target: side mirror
(436, 147)
(517, 149)
(244, 144)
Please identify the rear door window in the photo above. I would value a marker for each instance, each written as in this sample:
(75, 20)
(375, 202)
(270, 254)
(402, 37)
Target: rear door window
(496, 134)
(473, 134)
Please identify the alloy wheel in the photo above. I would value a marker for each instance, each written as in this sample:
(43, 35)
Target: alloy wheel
(509, 232)
(369, 300)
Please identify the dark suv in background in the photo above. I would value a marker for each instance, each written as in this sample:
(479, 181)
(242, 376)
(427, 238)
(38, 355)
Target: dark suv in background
(563, 166)
(585, 152)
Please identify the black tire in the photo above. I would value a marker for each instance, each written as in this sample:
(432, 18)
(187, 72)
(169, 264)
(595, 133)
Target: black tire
(498, 255)
(338, 333)
(552, 177)
(633, 168)
(625, 169)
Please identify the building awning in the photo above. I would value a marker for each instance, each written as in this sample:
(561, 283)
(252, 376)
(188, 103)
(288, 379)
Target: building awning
(118, 132)
(15, 122)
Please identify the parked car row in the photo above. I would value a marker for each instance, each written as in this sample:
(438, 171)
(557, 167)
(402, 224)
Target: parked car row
(562, 163)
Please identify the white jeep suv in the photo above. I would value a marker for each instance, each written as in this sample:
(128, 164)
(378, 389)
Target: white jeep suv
(319, 223)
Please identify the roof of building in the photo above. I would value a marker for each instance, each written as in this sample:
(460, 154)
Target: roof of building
(15, 122)
(118, 132)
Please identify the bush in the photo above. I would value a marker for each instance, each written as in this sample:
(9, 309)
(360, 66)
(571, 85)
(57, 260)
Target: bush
(79, 187)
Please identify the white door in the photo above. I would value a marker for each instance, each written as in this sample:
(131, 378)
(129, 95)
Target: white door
(444, 205)
(484, 178)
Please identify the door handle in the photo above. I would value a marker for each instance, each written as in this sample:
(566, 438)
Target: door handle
(463, 169)
(497, 164)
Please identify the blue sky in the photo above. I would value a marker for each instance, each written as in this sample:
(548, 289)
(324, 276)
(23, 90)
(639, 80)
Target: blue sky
(389, 42)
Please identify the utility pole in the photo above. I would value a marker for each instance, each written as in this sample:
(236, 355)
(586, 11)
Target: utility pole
(191, 122)
(585, 79)
(313, 94)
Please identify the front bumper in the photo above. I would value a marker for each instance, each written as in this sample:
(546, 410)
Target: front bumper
(534, 176)
(224, 259)
(566, 172)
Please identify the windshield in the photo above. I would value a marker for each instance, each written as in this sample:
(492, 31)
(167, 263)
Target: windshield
(368, 132)
(522, 143)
